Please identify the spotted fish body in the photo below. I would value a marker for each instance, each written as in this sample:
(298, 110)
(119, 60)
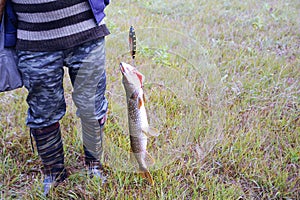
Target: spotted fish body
(137, 118)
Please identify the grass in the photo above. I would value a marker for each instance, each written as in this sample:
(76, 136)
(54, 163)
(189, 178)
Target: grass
(222, 86)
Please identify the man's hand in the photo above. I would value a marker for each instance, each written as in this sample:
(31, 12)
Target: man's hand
(2, 4)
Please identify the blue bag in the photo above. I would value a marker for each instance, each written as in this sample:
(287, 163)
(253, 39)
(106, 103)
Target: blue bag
(10, 77)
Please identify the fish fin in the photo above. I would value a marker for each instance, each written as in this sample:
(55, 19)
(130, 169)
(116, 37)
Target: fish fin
(151, 132)
(146, 175)
(141, 77)
(140, 102)
(149, 160)
(132, 158)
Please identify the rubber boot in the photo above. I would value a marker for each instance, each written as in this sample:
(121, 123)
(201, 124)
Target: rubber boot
(92, 136)
(50, 149)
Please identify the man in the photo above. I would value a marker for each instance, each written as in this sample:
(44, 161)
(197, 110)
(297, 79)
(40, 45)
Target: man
(52, 34)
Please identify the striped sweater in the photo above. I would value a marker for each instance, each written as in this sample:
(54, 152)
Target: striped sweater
(50, 25)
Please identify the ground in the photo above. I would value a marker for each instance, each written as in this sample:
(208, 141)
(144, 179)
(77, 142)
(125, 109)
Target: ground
(222, 87)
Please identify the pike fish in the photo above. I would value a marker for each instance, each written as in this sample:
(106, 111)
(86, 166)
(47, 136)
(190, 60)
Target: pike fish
(139, 129)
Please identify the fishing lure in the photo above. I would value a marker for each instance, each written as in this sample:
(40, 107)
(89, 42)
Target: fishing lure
(132, 42)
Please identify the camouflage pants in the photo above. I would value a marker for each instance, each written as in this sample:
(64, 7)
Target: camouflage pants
(43, 77)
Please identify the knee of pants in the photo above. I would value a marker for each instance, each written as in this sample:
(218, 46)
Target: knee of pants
(91, 101)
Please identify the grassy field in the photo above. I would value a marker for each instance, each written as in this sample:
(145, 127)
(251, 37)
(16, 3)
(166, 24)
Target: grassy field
(222, 87)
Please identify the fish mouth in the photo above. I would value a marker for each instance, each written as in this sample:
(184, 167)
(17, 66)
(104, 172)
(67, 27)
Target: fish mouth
(122, 68)
(131, 72)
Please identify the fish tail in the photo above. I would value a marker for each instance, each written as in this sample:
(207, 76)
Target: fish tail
(146, 175)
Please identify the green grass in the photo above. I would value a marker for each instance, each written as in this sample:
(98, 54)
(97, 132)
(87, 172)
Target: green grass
(222, 86)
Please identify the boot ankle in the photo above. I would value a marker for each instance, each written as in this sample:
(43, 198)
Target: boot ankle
(92, 136)
(50, 149)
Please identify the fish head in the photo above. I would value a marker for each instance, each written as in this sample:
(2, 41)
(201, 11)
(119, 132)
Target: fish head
(132, 78)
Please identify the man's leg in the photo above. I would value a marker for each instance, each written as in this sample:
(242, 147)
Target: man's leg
(87, 72)
(42, 75)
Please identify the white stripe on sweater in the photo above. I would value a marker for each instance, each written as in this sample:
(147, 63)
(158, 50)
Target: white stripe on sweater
(32, 1)
(54, 15)
(57, 33)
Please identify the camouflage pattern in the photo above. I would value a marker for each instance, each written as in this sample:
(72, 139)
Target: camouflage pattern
(92, 137)
(43, 77)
